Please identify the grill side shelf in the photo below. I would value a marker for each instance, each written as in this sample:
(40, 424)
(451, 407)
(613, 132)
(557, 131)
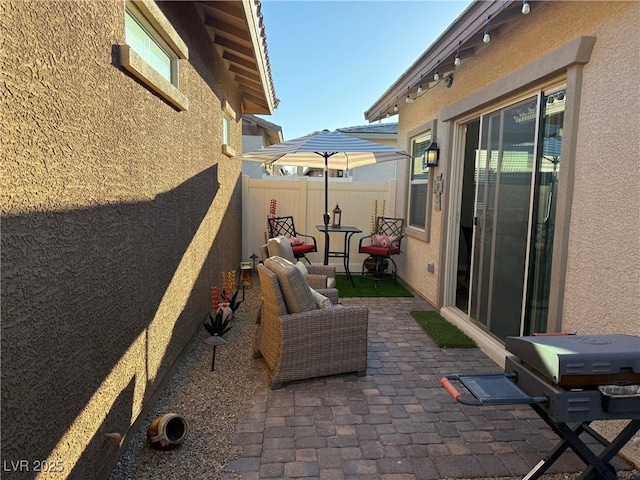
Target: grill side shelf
(488, 389)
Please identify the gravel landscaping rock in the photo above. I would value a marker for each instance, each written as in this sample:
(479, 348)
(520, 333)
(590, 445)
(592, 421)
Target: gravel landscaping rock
(210, 402)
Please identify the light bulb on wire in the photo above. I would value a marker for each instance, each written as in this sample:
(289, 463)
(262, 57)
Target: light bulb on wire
(526, 8)
(456, 61)
(420, 90)
(395, 109)
(436, 76)
(487, 37)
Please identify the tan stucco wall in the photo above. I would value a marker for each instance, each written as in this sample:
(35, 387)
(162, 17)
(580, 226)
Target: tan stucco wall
(602, 286)
(610, 104)
(603, 277)
(118, 214)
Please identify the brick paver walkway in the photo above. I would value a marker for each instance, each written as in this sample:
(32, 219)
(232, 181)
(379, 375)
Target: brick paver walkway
(395, 423)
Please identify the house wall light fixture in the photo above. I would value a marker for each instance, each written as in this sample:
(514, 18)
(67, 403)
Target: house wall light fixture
(431, 154)
(448, 80)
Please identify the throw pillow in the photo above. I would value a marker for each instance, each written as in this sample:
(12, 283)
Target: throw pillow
(295, 289)
(381, 240)
(321, 300)
(294, 241)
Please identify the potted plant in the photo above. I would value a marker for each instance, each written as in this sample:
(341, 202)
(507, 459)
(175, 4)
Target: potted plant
(217, 321)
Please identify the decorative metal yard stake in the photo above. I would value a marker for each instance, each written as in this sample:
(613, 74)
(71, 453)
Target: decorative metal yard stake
(214, 340)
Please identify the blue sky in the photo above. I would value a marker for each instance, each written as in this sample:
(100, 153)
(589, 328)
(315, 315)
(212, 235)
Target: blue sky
(332, 60)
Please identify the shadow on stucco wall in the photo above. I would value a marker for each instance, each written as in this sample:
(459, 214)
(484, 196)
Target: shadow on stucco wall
(80, 292)
(100, 448)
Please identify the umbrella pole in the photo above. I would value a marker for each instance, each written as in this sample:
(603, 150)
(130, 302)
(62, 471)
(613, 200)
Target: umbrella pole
(326, 208)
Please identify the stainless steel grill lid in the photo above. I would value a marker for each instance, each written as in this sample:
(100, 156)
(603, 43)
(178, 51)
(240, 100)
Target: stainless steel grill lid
(580, 360)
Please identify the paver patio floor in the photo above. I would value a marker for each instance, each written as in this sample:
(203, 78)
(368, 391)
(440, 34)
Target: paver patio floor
(396, 422)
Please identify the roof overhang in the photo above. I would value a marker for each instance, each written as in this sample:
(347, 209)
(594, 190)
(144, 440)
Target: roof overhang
(236, 28)
(271, 130)
(464, 35)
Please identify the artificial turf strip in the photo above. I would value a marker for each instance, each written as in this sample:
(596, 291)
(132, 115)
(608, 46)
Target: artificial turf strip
(368, 288)
(443, 333)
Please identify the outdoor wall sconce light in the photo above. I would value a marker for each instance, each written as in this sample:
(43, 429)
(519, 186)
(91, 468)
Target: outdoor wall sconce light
(431, 155)
(337, 214)
(448, 81)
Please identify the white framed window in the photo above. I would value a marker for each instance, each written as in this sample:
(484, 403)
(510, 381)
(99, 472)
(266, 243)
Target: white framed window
(228, 119)
(151, 48)
(153, 51)
(418, 205)
(226, 129)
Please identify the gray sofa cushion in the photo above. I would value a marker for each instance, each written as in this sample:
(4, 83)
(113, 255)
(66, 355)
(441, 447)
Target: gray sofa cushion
(295, 290)
(280, 247)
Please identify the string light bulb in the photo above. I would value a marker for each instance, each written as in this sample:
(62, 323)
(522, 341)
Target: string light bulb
(486, 37)
(456, 61)
(395, 109)
(526, 8)
(420, 90)
(408, 99)
(436, 76)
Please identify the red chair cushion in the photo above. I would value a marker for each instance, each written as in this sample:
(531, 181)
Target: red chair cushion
(302, 249)
(378, 251)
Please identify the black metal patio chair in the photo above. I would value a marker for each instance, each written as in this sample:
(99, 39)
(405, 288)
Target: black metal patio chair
(381, 246)
(300, 243)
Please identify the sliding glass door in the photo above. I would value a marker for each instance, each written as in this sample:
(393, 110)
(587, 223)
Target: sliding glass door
(516, 164)
(544, 212)
(504, 172)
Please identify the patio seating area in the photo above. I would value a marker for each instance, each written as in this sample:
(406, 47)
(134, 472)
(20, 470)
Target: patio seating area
(396, 422)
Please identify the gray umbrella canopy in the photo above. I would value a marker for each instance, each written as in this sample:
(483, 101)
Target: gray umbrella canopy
(336, 150)
(326, 150)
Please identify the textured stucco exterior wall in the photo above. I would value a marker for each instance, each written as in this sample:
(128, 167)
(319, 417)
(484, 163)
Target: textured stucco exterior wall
(602, 287)
(118, 215)
(610, 99)
(603, 276)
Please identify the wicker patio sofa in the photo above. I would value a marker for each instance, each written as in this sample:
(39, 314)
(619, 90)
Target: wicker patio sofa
(297, 339)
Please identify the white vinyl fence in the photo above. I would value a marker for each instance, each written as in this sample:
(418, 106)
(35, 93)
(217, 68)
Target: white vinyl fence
(303, 198)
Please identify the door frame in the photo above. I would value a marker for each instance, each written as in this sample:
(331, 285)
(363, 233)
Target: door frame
(565, 65)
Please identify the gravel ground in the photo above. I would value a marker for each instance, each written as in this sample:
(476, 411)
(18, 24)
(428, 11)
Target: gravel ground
(212, 404)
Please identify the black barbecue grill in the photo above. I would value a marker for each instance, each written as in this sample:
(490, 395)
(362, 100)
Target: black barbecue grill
(570, 381)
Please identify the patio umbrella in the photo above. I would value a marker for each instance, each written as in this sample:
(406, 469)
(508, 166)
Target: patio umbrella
(324, 149)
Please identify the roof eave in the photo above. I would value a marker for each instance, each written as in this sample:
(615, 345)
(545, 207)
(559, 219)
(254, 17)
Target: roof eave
(236, 29)
(259, 42)
(459, 36)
